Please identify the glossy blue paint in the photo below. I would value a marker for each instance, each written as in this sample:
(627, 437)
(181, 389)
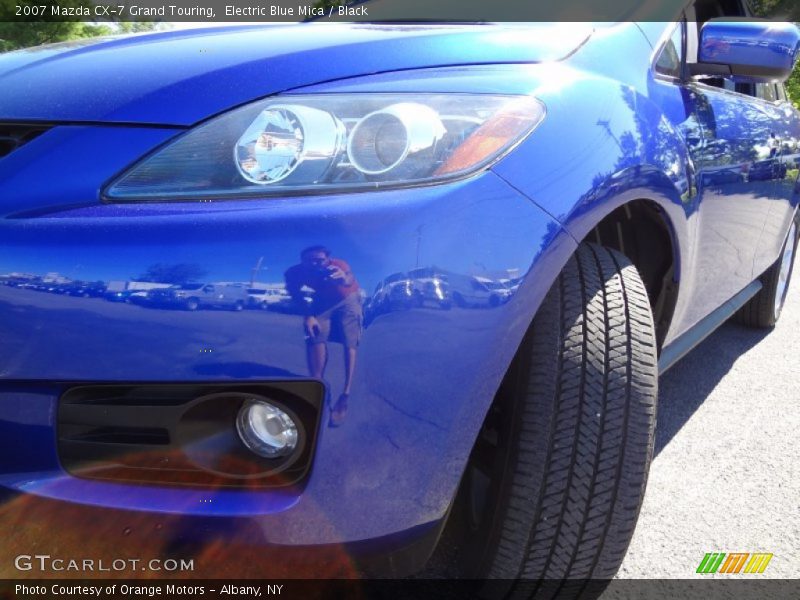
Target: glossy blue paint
(755, 50)
(426, 369)
(204, 72)
(393, 421)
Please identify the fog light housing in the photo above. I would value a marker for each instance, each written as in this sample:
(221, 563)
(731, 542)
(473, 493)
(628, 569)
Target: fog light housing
(266, 429)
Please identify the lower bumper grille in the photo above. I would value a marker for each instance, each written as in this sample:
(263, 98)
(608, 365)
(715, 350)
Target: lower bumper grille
(180, 434)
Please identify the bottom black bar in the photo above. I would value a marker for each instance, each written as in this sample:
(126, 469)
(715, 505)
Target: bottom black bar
(395, 589)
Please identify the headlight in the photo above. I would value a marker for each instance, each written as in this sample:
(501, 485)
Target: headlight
(330, 143)
(287, 139)
(401, 135)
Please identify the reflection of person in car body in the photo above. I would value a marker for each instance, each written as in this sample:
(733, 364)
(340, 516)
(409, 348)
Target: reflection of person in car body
(773, 144)
(334, 314)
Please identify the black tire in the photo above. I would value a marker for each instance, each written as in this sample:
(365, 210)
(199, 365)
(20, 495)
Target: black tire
(568, 442)
(762, 311)
(192, 304)
(238, 306)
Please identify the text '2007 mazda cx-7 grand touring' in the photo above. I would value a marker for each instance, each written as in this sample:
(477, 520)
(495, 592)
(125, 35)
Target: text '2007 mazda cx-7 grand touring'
(339, 288)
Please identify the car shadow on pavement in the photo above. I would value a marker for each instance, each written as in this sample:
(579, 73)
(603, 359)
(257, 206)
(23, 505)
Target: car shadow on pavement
(685, 386)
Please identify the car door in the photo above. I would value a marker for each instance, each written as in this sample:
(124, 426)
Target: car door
(735, 168)
(724, 127)
(784, 174)
(210, 294)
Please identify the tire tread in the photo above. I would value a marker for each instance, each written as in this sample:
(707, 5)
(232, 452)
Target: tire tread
(584, 437)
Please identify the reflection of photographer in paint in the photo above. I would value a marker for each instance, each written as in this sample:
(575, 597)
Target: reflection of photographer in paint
(773, 144)
(334, 314)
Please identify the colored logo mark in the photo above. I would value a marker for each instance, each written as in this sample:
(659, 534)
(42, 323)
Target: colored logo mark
(735, 562)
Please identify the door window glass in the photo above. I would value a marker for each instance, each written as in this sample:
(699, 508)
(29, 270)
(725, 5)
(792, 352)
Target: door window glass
(671, 57)
(766, 91)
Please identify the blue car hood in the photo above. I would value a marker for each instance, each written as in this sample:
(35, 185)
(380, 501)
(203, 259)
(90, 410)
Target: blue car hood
(182, 77)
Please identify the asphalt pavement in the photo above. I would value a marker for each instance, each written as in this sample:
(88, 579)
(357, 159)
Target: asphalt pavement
(725, 477)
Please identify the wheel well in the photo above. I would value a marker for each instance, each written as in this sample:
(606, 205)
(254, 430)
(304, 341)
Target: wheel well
(640, 231)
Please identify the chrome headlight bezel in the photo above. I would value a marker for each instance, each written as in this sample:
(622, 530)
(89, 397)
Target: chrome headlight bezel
(239, 154)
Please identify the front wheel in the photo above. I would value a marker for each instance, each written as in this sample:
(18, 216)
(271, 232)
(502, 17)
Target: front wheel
(554, 484)
(764, 309)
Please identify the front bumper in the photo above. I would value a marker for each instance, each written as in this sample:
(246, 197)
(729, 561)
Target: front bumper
(423, 380)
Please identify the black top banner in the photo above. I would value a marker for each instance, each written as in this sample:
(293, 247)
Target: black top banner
(400, 11)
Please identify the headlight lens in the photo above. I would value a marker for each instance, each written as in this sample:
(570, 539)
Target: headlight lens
(328, 143)
(288, 138)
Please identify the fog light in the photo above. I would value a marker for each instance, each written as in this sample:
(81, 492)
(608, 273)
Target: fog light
(266, 429)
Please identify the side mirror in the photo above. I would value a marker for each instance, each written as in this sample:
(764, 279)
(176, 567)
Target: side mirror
(748, 50)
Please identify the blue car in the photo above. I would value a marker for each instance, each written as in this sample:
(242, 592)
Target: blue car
(573, 166)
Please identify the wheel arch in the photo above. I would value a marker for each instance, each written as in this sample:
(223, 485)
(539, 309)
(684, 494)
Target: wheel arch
(641, 230)
(658, 203)
(649, 225)
(641, 199)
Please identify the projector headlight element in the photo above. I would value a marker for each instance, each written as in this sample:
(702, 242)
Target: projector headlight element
(312, 144)
(402, 133)
(288, 138)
